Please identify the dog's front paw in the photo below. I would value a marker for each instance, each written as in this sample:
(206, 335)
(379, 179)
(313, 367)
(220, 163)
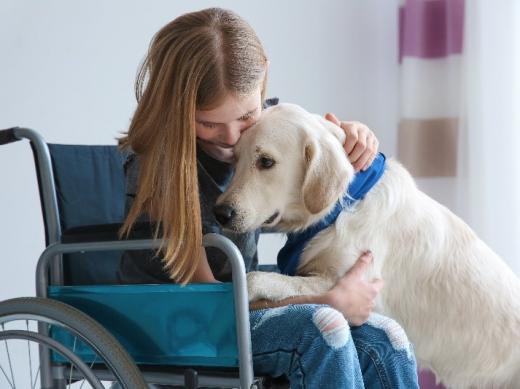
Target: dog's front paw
(265, 285)
(255, 283)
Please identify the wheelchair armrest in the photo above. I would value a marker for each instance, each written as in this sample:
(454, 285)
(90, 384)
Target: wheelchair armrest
(106, 233)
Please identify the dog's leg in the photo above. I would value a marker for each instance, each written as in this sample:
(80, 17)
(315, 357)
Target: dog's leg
(276, 287)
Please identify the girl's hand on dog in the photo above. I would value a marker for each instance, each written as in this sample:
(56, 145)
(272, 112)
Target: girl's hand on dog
(361, 144)
(353, 295)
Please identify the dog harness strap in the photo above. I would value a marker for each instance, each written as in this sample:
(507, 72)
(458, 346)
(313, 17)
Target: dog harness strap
(289, 256)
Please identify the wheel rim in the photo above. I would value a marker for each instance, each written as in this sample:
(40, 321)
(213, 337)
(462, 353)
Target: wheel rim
(27, 328)
(75, 361)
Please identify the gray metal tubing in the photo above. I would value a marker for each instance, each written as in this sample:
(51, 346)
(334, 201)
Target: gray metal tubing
(64, 248)
(211, 240)
(42, 270)
(241, 305)
(50, 202)
(53, 228)
(167, 378)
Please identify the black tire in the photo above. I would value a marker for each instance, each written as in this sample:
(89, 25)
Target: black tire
(86, 329)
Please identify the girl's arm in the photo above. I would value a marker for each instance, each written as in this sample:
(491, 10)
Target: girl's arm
(315, 299)
(352, 295)
(203, 273)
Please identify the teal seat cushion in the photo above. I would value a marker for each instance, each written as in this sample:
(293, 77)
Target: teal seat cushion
(164, 324)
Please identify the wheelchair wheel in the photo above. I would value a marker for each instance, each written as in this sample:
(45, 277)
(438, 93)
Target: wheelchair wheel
(28, 324)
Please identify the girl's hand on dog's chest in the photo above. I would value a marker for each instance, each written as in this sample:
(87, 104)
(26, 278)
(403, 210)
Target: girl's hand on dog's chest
(352, 295)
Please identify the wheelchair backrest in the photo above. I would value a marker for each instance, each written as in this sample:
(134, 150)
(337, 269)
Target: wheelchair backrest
(90, 184)
(90, 188)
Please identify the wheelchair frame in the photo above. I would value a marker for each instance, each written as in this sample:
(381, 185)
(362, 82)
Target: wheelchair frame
(49, 271)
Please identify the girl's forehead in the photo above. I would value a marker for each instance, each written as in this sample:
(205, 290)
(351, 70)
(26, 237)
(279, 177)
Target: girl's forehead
(231, 108)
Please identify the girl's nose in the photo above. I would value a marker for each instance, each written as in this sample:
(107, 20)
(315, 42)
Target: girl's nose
(232, 134)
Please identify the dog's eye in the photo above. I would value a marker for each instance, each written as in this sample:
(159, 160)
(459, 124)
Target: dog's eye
(265, 162)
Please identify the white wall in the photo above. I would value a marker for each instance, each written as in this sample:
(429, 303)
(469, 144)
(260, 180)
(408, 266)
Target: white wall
(67, 70)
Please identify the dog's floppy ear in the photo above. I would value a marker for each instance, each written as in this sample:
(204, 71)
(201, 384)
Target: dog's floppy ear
(327, 173)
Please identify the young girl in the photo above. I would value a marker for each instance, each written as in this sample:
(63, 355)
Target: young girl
(202, 84)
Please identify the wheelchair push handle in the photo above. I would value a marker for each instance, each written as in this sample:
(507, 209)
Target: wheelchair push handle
(8, 136)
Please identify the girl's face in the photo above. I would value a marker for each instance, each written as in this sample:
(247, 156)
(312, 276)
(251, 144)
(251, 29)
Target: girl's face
(219, 129)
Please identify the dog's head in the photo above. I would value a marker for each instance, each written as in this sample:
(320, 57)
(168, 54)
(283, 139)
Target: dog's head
(290, 170)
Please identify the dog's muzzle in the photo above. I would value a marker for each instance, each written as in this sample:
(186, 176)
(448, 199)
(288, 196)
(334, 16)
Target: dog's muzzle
(224, 214)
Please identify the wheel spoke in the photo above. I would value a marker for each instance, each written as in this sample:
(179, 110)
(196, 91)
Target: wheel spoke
(30, 358)
(36, 378)
(1, 368)
(6, 377)
(9, 359)
(90, 367)
(71, 365)
(65, 333)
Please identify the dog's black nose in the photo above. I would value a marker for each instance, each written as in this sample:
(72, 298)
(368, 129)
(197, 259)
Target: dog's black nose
(224, 213)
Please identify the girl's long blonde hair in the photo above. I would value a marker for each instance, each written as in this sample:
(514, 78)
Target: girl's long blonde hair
(192, 63)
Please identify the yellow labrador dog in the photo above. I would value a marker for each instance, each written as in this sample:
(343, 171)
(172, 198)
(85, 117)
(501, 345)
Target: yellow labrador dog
(456, 299)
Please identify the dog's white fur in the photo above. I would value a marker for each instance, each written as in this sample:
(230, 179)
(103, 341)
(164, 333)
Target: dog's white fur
(456, 299)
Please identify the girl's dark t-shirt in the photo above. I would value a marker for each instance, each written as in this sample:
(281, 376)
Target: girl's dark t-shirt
(142, 266)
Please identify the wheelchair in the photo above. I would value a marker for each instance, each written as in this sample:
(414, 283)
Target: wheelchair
(83, 327)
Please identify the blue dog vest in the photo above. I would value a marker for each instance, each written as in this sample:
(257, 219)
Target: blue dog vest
(289, 256)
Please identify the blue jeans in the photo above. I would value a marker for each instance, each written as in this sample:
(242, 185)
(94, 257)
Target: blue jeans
(314, 346)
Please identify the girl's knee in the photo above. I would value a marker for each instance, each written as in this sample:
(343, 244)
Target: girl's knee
(393, 330)
(384, 336)
(332, 326)
(307, 322)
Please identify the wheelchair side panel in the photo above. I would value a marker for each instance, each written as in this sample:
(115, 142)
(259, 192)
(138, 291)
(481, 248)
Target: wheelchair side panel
(163, 324)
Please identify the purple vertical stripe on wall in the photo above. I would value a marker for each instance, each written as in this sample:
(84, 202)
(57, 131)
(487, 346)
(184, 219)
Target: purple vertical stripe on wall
(431, 28)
